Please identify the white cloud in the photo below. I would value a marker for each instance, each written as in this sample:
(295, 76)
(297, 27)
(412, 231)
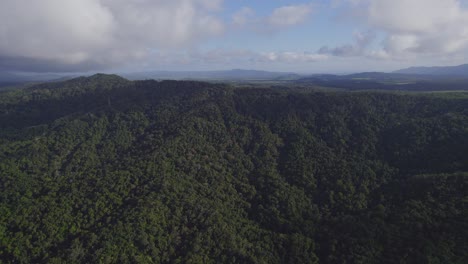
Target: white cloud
(243, 16)
(415, 16)
(223, 56)
(291, 57)
(232, 58)
(415, 27)
(53, 30)
(289, 15)
(361, 41)
(339, 3)
(165, 23)
(85, 34)
(280, 18)
(430, 27)
(214, 5)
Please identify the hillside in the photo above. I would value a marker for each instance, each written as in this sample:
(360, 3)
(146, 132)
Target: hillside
(460, 71)
(379, 81)
(231, 75)
(106, 170)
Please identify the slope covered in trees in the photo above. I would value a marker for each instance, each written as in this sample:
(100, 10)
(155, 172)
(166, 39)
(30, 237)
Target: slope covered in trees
(103, 170)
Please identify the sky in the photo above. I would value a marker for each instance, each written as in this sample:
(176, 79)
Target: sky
(319, 36)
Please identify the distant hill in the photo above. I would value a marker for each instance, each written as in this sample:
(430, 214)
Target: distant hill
(14, 78)
(387, 81)
(227, 75)
(460, 70)
(235, 74)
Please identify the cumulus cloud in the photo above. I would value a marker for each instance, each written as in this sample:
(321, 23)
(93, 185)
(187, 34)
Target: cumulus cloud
(421, 26)
(291, 57)
(279, 19)
(415, 27)
(73, 35)
(414, 16)
(339, 3)
(361, 41)
(243, 16)
(232, 58)
(289, 15)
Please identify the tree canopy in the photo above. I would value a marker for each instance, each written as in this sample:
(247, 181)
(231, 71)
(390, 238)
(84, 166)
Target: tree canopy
(104, 170)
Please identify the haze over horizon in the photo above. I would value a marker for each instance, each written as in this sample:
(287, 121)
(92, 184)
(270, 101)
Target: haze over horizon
(338, 36)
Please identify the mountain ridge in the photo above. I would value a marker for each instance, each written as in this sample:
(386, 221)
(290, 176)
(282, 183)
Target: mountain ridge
(233, 74)
(458, 70)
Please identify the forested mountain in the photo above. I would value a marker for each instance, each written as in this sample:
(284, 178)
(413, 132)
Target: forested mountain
(105, 170)
(231, 75)
(387, 82)
(460, 70)
(8, 79)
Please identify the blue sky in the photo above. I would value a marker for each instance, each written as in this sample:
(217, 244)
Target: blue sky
(335, 36)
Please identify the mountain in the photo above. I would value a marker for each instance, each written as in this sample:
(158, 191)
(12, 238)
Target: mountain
(29, 77)
(386, 81)
(459, 71)
(234, 75)
(14, 78)
(101, 169)
(228, 75)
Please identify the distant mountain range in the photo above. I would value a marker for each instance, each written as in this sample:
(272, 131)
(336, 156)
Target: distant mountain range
(13, 79)
(399, 77)
(460, 70)
(235, 74)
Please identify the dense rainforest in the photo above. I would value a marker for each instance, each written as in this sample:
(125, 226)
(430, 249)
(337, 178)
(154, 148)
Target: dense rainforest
(104, 170)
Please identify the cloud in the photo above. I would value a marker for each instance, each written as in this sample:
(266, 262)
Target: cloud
(421, 26)
(243, 16)
(414, 16)
(361, 41)
(291, 57)
(222, 56)
(231, 58)
(415, 27)
(340, 3)
(289, 15)
(77, 35)
(280, 18)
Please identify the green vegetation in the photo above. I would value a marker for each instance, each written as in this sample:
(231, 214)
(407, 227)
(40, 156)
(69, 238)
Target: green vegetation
(104, 170)
(378, 81)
